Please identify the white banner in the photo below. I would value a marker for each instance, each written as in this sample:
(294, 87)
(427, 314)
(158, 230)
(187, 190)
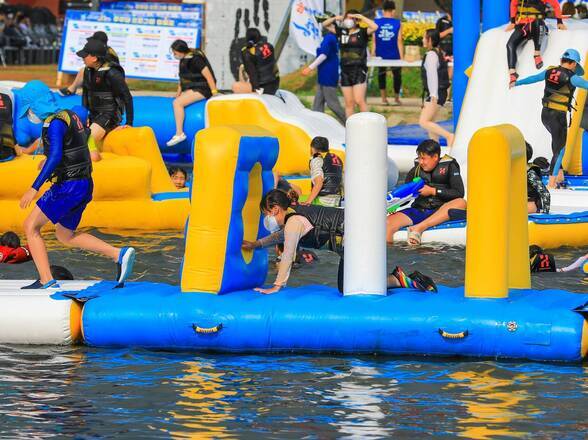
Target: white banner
(303, 25)
(142, 42)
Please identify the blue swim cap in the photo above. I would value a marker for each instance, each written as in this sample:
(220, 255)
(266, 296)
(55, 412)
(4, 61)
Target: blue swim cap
(37, 97)
(574, 55)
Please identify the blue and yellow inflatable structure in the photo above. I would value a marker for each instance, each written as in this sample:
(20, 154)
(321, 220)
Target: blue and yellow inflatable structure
(497, 314)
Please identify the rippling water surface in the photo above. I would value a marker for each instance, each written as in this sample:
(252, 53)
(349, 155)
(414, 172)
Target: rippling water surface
(93, 393)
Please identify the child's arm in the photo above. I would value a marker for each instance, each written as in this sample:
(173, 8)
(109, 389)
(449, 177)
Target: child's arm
(514, 9)
(538, 77)
(578, 81)
(57, 130)
(400, 43)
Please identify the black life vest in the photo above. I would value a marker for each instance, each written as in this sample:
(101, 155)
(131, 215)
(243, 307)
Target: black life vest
(328, 226)
(438, 178)
(353, 47)
(7, 141)
(444, 24)
(559, 91)
(191, 76)
(75, 162)
(534, 9)
(98, 96)
(531, 193)
(442, 72)
(262, 55)
(333, 175)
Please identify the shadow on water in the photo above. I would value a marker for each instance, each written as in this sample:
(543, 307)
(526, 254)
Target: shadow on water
(89, 393)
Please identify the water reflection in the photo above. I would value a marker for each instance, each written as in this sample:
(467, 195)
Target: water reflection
(204, 407)
(361, 400)
(492, 402)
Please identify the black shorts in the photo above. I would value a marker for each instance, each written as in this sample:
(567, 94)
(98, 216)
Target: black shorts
(107, 121)
(270, 88)
(353, 75)
(441, 100)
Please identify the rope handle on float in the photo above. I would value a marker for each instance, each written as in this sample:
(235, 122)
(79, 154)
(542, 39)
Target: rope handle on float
(460, 335)
(207, 330)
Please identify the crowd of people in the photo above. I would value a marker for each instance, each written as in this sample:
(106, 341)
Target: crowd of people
(72, 142)
(31, 28)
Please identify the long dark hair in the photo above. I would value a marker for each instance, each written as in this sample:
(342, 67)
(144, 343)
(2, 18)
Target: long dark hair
(276, 197)
(433, 35)
(180, 46)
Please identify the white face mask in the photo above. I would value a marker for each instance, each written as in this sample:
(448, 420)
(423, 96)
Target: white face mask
(271, 224)
(178, 57)
(348, 23)
(33, 118)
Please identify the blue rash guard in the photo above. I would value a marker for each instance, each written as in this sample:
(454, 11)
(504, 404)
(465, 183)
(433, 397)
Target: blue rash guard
(56, 133)
(576, 81)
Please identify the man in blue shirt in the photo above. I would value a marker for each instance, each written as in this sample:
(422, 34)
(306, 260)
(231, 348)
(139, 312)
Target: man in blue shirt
(327, 63)
(560, 84)
(68, 165)
(389, 45)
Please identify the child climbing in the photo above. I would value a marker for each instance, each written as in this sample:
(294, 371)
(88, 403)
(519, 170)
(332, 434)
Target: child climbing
(527, 18)
(560, 84)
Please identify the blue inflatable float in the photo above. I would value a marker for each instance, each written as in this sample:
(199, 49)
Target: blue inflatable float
(320, 319)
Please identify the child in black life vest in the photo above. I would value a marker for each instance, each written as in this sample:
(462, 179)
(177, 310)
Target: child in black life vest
(560, 84)
(527, 18)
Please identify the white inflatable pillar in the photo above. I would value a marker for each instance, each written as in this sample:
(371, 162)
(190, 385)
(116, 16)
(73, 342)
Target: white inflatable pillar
(366, 176)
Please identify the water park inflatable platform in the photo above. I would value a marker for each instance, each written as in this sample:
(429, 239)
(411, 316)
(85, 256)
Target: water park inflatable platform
(310, 319)
(132, 189)
(546, 230)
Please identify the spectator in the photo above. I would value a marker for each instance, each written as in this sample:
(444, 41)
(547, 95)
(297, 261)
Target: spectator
(389, 45)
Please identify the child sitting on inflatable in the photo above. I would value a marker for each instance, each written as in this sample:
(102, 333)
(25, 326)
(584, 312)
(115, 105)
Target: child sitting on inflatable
(527, 18)
(538, 197)
(560, 84)
(444, 191)
(11, 252)
(197, 82)
(326, 174)
(68, 163)
(313, 227)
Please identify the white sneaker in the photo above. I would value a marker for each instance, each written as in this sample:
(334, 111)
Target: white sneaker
(176, 139)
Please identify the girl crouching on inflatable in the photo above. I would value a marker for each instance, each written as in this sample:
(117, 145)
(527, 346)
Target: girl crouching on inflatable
(313, 227)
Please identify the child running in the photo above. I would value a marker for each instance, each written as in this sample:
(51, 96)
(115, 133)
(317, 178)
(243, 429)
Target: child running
(69, 165)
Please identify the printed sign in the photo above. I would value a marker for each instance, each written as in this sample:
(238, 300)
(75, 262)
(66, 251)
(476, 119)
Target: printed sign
(141, 41)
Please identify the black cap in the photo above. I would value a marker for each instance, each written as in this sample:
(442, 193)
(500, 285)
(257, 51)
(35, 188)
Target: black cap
(100, 36)
(93, 47)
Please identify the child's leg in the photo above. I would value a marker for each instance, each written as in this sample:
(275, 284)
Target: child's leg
(32, 226)
(556, 123)
(382, 83)
(397, 74)
(517, 37)
(426, 121)
(359, 92)
(97, 134)
(180, 103)
(348, 99)
(86, 241)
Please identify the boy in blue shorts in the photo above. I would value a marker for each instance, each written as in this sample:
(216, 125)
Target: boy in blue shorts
(443, 191)
(68, 165)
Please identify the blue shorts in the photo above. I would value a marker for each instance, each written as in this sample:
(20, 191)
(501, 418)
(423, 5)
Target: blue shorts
(418, 215)
(64, 202)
